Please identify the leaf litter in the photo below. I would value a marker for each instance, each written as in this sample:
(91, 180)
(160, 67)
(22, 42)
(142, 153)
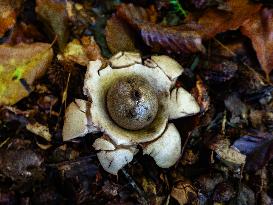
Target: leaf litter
(225, 48)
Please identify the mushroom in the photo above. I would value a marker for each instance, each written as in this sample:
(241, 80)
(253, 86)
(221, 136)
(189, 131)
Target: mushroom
(131, 103)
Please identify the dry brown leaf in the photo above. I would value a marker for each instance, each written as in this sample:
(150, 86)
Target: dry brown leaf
(24, 33)
(135, 15)
(119, 36)
(259, 29)
(178, 39)
(91, 48)
(214, 21)
(54, 15)
(7, 17)
(81, 52)
(20, 66)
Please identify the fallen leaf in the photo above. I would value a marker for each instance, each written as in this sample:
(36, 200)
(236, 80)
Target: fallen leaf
(245, 196)
(258, 147)
(40, 130)
(219, 70)
(7, 17)
(54, 16)
(17, 164)
(8, 197)
(223, 192)
(214, 21)
(229, 155)
(259, 29)
(110, 188)
(81, 52)
(20, 66)
(261, 120)
(200, 92)
(91, 48)
(80, 17)
(237, 108)
(184, 193)
(201, 4)
(24, 33)
(119, 36)
(207, 183)
(135, 15)
(179, 39)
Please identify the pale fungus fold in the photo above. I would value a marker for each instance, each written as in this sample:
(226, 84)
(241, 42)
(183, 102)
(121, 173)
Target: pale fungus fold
(131, 104)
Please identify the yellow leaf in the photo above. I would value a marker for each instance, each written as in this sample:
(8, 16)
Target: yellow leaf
(20, 66)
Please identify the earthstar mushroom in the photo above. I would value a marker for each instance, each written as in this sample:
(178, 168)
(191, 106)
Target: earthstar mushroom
(131, 104)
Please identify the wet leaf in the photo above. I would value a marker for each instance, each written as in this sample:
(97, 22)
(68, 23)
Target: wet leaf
(259, 29)
(54, 16)
(214, 21)
(119, 36)
(258, 147)
(20, 66)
